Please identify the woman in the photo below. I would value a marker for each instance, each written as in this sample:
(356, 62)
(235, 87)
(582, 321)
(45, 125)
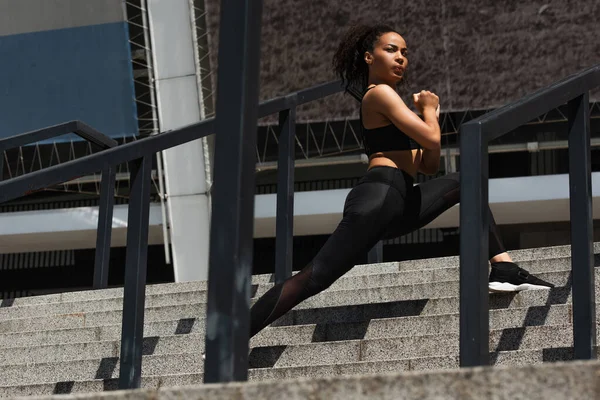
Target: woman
(385, 204)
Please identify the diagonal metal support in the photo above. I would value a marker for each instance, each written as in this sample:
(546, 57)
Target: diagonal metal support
(104, 232)
(132, 333)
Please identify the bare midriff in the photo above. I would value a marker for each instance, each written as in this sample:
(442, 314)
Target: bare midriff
(406, 160)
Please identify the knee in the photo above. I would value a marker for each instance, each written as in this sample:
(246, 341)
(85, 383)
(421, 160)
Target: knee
(454, 179)
(452, 194)
(320, 279)
(455, 176)
(308, 283)
(316, 285)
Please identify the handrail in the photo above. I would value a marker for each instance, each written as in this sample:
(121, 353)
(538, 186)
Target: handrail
(106, 187)
(504, 119)
(298, 98)
(24, 184)
(77, 127)
(474, 138)
(139, 154)
(56, 174)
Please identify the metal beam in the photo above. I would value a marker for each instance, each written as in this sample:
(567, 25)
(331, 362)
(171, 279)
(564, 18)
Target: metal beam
(582, 235)
(302, 97)
(284, 245)
(136, 262)
(77, 127)
(25, 184)
(103, 234)
(363, 159)
(230, 262)
(474, 234)
(448, 152)
(317, 162)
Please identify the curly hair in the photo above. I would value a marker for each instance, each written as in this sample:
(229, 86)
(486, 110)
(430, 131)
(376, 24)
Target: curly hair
(348, 61)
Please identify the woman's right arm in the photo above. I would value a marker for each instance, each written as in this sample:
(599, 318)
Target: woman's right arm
(426, 132)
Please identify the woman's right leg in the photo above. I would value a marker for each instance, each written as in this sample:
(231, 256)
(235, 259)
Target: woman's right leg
(368, 209)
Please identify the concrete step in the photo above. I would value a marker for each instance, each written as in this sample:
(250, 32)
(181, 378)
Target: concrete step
(409, 326)
(196, 291)
(375, 319)
(547, 269)
(426, 291)
(154, 345)
(285, 335)
(340, 306)
(96, 334)
(519, 256)
(393, 348)
(101, 383)
(100, 318)
(377, 349)
(528, 258)
(513, 358)
(557, 381)
(26, 374)
(370, 285)
(356, 311)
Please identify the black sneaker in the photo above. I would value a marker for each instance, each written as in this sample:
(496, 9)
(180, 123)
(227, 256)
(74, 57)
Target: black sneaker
(509, 277)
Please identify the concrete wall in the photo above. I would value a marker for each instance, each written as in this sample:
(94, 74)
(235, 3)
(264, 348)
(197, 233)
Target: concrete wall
(475, 54)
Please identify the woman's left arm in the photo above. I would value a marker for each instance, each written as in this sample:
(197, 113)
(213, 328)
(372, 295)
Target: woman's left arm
(430, 158)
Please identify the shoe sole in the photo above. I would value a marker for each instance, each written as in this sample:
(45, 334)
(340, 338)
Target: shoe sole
(505, 287)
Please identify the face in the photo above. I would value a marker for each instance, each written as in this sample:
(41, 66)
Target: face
(388, 61)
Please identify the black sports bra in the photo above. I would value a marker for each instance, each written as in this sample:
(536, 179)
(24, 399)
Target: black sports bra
(385, 138)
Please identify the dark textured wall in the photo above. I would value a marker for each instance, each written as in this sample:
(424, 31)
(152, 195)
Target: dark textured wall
(474, 54)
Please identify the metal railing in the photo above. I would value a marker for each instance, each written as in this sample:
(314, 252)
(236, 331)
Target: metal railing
(474, 138)
(237, 110)
(139, 154)
(286, 107)
(230, 259)
(107, 186)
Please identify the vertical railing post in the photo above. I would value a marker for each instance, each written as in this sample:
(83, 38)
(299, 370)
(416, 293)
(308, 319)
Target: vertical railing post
(284, 236)
(375, 255)
(2, 165)
(105, 215)
(582, 250)
(132, 331)
(474, 233)
(230, 259)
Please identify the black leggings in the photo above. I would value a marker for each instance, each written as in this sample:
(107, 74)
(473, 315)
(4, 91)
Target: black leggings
(383, 205)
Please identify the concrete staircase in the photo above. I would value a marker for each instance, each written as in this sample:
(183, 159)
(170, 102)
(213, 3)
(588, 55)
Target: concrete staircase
(380, 319)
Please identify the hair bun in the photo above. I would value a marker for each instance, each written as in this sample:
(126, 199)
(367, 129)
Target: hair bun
(348, 63)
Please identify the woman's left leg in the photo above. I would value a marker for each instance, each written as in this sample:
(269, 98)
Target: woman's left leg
(430, 199)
